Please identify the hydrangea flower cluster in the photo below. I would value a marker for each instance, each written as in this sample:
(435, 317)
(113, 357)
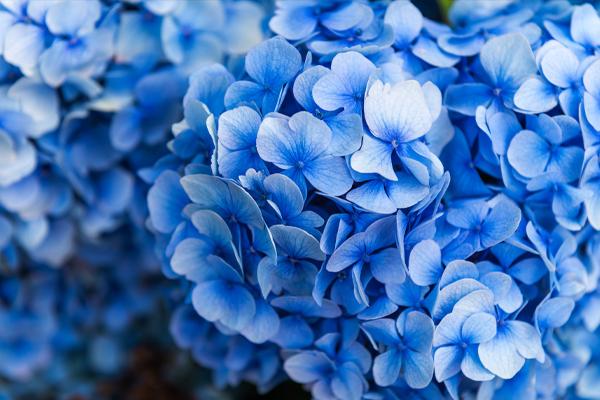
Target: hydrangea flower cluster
(341, 193)
(380, 206)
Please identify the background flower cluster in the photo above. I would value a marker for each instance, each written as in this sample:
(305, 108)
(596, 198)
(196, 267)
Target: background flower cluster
(344, 194)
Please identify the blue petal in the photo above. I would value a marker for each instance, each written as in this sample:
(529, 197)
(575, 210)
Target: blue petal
(329, 174)
(529, 154)
(308, 366)
(406, 191)
(348, 382)
(418, 332)
(284, 142)
(502, 221)
(447, 361)
(472, 367)
(303, 86)
(375, 156)
(217, 300)
(476, 301)
(449, 330)
(425, 263)
(466, 97)
(535, 95)
(346, 17)
(264, 324)
(306, 306)
(346, 133)
(382, 331)
(428, 50)
(344, 87)
(406, 21)
(462, 45)
(560, 67)
(418, 369)
(294, 333)
(405, 294)
(399, 113)
(284, 195)
(238, 128)
(387, 267)
(296, 243)
(479, 328)
(372, 196)
(554, 312)
(244, 93)
(529, 270)
(224, 197)
(452, 293)
(166, 200)
(386, 367)
(585, 25)
(76, 19)
(381, 308)
(294, 23)
(508, 61)
(273, 63)
(22, 46)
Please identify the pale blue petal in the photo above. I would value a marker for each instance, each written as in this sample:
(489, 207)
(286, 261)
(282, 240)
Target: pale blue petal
(406, 21)
(447, 362)
(375, 156)
(329, 175)
(535, 95)
(232, 305)
(418, 332)
(345, 86)
(508, 61)
(372, 196)
(560, 67)
(308, 366)
(418, 369)
(479, 328)
(585, 25)
(425, 263)
(273, 63)
(554, 312)
(386, 367)
(399, 113)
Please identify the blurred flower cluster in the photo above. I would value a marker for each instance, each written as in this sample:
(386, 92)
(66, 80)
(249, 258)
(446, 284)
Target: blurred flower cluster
(344, 194)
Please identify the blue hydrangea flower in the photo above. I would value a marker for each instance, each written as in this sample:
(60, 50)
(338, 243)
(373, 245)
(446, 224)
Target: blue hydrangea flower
(346, 128)
(270, 65)
(299, 146)
(406, 348)
(561, 83)
(506, 62)
(334, 369)
(397, 115)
